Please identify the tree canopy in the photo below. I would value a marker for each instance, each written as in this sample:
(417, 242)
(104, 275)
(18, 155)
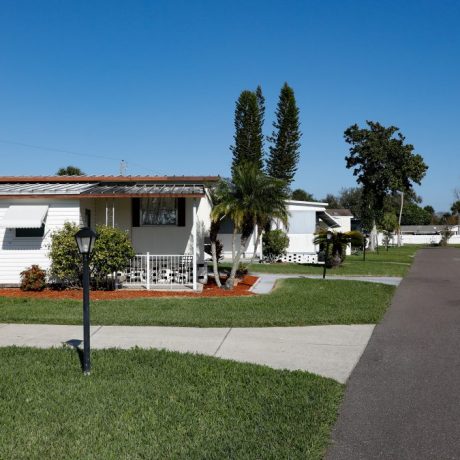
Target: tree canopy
(249, 139)
(285, 139)
(301, 195)
(70, 171)
(382, 163)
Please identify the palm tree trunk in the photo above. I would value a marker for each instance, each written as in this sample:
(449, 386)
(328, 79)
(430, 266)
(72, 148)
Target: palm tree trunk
(215, 267)
(256, 245)
(230, 283)
(399, 220)
(233, 243)
(213, 232)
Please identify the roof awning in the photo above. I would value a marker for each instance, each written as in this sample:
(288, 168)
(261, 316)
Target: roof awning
(102, 190)
(327, 219)
(24, 216)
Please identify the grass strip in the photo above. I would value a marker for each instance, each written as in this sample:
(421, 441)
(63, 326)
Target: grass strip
(294, 302)
(158, 404)
(394, 262)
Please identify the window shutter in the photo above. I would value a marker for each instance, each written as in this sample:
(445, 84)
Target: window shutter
(136, 211)
(181, 212)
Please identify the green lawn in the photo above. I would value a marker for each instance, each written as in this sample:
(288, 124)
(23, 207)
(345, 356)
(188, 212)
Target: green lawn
(294, 302)
(394, 262)
(157, 404)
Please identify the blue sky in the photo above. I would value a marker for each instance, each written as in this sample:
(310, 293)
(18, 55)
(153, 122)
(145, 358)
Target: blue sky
(155, 83)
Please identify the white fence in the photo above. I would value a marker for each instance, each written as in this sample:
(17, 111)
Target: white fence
(419, 239)
(153, 271)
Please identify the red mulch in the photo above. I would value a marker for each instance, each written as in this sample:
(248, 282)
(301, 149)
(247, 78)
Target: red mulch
(209, 290)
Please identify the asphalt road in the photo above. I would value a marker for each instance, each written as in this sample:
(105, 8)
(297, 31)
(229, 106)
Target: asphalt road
(403, 398)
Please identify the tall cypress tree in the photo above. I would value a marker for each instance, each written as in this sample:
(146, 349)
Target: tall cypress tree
(285, 139)
(248, 147)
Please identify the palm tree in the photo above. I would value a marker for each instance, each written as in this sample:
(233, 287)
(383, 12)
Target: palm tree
(249, 199)
(338, 243)
(272, 200)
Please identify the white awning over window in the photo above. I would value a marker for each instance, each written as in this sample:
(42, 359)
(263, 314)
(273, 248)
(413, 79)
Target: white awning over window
(24, 216)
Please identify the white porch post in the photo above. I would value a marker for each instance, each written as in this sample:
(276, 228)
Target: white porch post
(148, 271)
(194, 245)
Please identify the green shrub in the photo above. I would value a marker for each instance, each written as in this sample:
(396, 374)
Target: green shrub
(66, 262)
(112, 253)
(33, 279)
(275, 243)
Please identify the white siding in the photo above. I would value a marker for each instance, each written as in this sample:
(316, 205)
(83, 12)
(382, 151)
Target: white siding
(16, 254)
(170, 239)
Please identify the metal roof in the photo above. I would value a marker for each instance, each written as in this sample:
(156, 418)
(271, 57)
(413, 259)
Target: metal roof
(422, 229)
(327, 219)
(43, 189)
(339, 212)
(112, 179)
(104, 190)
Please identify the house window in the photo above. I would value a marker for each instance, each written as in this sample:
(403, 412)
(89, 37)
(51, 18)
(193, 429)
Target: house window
(30, 232)
(158, 211)
(88, 218)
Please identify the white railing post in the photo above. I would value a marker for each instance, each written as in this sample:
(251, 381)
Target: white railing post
(194, 267)
(148, 270)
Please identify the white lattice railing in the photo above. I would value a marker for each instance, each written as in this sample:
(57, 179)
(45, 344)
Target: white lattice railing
(300, 258)
(148, 271)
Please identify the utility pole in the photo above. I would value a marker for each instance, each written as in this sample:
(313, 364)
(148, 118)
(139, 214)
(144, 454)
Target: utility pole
(123, 167)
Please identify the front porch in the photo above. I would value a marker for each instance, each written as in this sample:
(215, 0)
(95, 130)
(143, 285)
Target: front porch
(167, 231)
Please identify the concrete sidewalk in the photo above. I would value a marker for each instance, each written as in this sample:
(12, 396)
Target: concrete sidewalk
(267, 281)
(330, 351)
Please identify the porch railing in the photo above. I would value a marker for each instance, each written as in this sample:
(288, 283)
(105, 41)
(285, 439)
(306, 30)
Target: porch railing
(149, 271)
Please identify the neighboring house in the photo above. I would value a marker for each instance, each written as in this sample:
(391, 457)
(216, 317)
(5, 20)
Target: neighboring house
(427, 234)
(422, 234)
(344, 218)
(166, 218)
(305, 219)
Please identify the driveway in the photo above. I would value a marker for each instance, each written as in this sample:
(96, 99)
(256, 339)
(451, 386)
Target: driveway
(403, 398)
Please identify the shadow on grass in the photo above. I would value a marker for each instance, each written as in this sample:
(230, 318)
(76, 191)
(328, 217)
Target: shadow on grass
(75, 344)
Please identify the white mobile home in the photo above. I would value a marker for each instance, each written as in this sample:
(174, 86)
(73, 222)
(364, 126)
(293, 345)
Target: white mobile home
(166, 219)
(305, 219)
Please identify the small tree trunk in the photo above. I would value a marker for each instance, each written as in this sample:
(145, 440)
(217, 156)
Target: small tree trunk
(374, 236)
(399, 220)
(233, 243)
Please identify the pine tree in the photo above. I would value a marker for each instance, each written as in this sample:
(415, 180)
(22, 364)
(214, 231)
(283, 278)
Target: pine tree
(284, 151)
(248, 136)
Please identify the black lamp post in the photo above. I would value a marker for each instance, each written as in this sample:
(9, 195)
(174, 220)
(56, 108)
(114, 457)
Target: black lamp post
(85, 239)
(326, 255)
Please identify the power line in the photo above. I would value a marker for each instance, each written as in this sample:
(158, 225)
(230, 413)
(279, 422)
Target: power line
(51, 149)
(88, 155)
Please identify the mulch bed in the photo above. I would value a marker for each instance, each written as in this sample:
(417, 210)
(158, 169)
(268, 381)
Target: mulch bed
(209, 290)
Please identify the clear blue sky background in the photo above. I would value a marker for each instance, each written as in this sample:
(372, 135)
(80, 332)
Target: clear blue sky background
(155, 82)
